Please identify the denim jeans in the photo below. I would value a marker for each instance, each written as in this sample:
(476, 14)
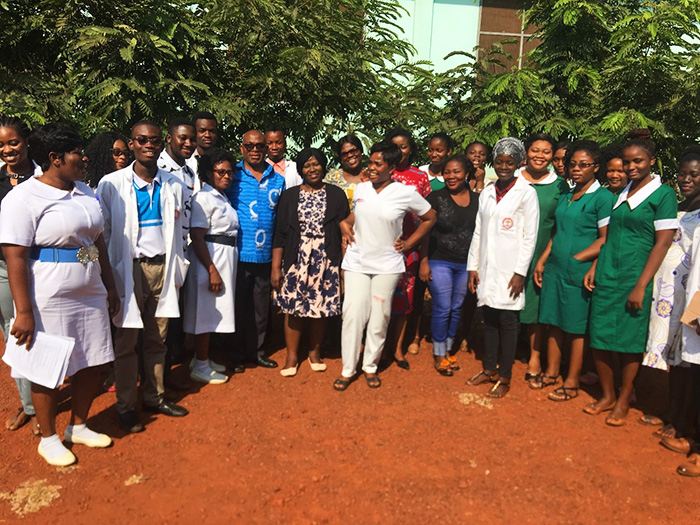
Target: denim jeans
(448, 288)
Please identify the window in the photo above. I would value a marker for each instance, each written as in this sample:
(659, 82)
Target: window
(500, 20)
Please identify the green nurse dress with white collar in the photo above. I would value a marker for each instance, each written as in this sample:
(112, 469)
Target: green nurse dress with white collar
(549, 190)
(564, 301)
(631, 236)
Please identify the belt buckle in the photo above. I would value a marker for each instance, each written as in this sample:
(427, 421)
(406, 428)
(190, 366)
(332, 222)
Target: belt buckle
(88, 254)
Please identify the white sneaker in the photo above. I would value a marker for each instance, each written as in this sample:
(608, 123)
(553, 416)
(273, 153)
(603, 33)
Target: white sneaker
(99, 441)
(209, 376)
(64, 460)
(216, 367)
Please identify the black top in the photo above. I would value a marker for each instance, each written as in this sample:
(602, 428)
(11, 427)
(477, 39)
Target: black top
(288, 229)
(6, 186)
(452, 234)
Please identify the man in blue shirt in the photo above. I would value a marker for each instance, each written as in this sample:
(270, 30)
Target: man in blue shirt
(254, 194)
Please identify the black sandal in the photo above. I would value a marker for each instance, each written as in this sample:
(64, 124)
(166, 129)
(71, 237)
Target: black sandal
(373, 382)
(543, 383)
(562, 394)
(499, 390)
(482, 377)
(341, 384)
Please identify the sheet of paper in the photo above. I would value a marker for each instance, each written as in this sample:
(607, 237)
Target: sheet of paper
(692, 312)
(45, 363)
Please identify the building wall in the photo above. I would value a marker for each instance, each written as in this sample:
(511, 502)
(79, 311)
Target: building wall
(438, 27)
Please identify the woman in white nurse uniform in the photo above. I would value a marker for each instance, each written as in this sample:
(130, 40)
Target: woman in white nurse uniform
(61, 281)
(211, 283)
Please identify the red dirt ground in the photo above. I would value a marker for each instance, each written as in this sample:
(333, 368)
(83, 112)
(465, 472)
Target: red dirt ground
(265, 449)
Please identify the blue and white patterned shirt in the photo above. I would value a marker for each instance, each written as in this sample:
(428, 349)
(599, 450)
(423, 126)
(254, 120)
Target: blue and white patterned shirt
(256, 205)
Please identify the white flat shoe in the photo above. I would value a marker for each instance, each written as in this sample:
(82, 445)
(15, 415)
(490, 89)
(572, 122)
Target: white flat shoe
(289, 372)
(99, 441)
(212, 377)
(62, 461)
(216, 367)
(317, 367)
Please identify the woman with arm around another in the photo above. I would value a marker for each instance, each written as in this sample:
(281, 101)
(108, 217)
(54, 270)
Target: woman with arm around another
(642, 225)
(374, 259)
(51, 235)
(210, 287)
(499, 258)
(306, 255)
(581, 226)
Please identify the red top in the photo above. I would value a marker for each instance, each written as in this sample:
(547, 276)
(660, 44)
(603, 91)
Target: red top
(412, 176)
(502, 193)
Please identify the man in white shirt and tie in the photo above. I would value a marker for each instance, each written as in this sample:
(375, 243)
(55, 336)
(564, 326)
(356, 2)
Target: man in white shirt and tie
(276, 150)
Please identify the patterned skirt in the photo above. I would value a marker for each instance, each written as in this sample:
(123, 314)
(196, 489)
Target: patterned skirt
(311, 286)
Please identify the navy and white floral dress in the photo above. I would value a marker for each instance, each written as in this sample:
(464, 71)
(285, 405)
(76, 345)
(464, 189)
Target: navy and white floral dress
(311, 286)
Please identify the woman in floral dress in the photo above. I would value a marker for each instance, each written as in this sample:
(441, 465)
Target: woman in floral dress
(306, 255)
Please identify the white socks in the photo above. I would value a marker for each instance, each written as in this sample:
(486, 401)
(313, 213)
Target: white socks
(82, 432)
(53, 447)
(202, 366)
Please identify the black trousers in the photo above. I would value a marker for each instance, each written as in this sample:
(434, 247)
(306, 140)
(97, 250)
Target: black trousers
(501, 329)
(252, 309)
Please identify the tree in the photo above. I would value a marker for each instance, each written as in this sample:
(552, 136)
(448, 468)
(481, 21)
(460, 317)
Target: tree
(600, 69)
(316, 67)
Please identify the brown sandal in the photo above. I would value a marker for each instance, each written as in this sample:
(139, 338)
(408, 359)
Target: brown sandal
(18, 420)
(483, 377)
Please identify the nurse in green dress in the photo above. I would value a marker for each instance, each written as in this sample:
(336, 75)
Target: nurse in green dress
(549, 187)
(642, 225)
(581, 226)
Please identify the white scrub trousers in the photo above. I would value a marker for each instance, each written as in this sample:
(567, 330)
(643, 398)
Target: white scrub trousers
(367, 302)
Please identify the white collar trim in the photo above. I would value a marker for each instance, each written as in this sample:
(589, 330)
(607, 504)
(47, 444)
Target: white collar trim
(594, 187)
(549, 179)
(641, 195)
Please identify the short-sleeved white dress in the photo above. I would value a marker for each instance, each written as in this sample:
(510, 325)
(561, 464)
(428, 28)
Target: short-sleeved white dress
(205, 311)
(68, 299)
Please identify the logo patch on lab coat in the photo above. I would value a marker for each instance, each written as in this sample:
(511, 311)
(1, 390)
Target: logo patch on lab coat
(507, 223)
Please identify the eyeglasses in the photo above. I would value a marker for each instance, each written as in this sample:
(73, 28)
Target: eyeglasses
(349, 153)
(119, 153)
(155, 141)
(582, 165)
(223, 173)
(79, 152)
(250, 146)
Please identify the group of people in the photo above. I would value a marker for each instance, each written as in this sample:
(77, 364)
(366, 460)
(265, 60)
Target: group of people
(132, 238)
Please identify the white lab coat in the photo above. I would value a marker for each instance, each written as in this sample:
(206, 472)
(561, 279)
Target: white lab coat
(503, 243)
(118, 201)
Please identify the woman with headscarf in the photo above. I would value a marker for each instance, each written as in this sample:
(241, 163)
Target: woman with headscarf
(499, 257)
(306, 255)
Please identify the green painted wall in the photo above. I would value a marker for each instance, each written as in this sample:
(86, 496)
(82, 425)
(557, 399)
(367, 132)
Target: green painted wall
(438, 27)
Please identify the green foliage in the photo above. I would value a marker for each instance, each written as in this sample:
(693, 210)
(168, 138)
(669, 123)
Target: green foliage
(316, 67)
(600, 69)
